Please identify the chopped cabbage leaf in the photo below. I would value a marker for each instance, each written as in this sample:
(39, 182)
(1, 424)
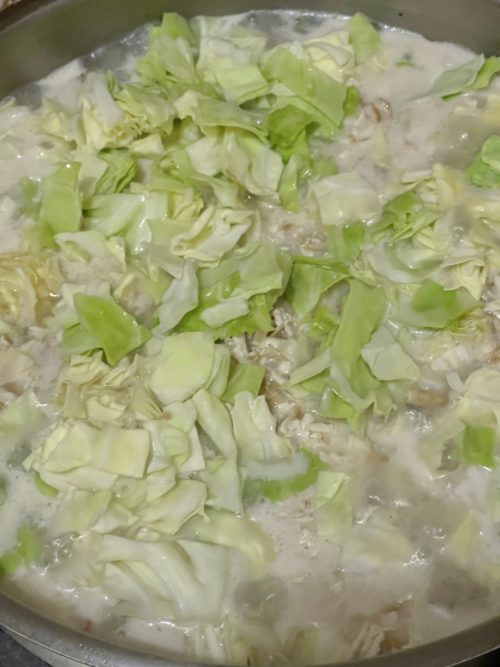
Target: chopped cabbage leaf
(345, 198)
(104, 324)
(386, 358)
(478, 445)
(434, 307)
(473, 75)
(61, 207)
(363, 37)
(276, 490)
(254, 428)
(243, 377)
(484, 171)
(332, 506)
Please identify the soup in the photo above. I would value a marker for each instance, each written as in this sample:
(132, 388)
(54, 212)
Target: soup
(249, 354)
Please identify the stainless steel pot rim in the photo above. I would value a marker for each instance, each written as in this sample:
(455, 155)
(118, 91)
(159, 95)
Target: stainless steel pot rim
(472, 22)
(86, 649)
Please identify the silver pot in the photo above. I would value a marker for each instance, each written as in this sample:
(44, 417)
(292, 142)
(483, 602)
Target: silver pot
(37, 36)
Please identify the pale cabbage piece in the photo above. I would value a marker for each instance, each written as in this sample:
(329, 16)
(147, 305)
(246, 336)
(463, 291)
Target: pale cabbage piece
(235, 531)
(180, 298)
(332, 506)
(191, 576)
(345, 198)
(77, 445)
(479, 402)
(387, 359)
(182, 367)
(169, 513)
(375, 544)
(254, 428)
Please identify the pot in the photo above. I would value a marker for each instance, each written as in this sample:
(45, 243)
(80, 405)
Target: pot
(37, 36)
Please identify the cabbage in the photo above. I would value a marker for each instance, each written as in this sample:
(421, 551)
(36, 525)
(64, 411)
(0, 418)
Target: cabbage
(332, 506)
(363, 37)
(322, 93)
(255, 430)
(238, 532)
(473, 75)
(386, 358)
(77, 454)
(179, 299)
(190, 576)
(434, 307)
(170, 56)
(121, 169)
(345, 198)
(243, 377)
(484, 171)
(61, 206)
(20, 421)
(307, 284)
(276, 490)
(25, 552)
(104, 324)
(223, 479)
(375, 544)
(402, 217)
(215, 233)
(251, 163)
(478, 404)
(186, 363)
(236, 296)
(242, 83)
(170, 512)
(349, 374)
(478, 445)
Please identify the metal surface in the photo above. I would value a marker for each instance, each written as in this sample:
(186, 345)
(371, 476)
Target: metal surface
(39, 35)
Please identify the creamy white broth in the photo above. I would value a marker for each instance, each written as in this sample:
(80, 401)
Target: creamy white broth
(356, 598)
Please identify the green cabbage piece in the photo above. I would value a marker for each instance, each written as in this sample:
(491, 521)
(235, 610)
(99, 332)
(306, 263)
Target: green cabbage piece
(26, 551)
(121, 169)
(308, 282)
(402, 217)
(243, 377)
(350, 377)
(332, 506)
(236, 296)
(478, 445)
(322, 93)
(170, 54)
(251, 163)
(223, 479)
(104, 324)
(363, 37)
(473, 75)
(61, 206)
(434, 307)
(242, 83)
(344, 243)
(484, 171)
(276, 490)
